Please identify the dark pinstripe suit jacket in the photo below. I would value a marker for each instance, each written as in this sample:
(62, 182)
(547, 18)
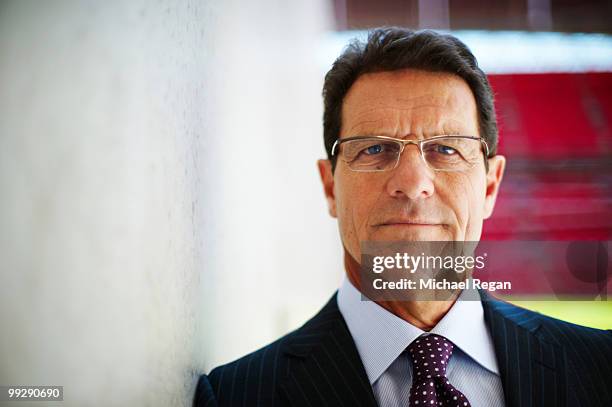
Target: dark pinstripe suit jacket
(542, 362)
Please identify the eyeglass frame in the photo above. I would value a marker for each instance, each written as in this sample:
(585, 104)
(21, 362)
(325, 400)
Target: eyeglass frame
(419, 143)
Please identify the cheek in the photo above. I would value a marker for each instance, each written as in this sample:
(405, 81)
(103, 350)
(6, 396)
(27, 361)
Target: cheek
(349, 209)
(465, 197)
(355, 200)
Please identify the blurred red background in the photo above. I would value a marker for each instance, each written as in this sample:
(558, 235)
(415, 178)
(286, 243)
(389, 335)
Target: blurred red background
(555, 133)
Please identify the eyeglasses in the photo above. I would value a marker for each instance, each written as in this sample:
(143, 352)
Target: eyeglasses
(440, 153)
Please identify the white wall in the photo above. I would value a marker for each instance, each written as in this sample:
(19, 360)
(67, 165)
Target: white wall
(160, 211)
(273, 251)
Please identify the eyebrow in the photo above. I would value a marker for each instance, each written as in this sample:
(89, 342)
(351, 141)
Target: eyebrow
(411, 135)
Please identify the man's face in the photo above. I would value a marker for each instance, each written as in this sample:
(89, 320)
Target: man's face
(410, 202)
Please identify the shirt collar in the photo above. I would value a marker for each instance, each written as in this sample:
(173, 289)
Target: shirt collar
(380, 336)
(465, 326)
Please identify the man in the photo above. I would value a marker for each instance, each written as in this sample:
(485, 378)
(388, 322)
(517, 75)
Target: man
(411, 138)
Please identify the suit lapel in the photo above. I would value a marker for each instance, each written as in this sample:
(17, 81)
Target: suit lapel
(324, 366)
(532, 365)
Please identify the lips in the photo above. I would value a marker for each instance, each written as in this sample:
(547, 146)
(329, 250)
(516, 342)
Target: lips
(408, 222)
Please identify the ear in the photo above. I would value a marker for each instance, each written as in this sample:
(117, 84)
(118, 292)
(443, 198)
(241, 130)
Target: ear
(327, 179)
(497, 164)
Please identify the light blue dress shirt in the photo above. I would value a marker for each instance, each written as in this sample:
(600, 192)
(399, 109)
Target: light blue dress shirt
(381, 338)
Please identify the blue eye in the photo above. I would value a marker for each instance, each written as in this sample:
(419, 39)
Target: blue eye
(375, 149)
(446, 150)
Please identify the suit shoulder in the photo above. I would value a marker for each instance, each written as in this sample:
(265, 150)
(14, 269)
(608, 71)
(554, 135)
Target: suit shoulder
(575, 335)
(257, 376)
(250, 364)
(204, 395)
(576, 338)
(251, 377)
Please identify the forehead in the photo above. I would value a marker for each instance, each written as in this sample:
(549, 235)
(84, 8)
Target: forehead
(409, 101)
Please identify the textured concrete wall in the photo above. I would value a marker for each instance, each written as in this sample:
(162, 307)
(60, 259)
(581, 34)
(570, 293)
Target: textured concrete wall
(159, 206)
(102, 109)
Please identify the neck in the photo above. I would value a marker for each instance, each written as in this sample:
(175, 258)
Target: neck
(423, 314)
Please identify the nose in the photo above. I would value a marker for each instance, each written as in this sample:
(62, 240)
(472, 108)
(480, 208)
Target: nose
(411, 178)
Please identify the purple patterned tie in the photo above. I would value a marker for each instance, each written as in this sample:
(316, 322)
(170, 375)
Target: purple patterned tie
(430, 387)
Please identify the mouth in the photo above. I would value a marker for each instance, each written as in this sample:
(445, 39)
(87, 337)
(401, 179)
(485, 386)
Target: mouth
(408, 223)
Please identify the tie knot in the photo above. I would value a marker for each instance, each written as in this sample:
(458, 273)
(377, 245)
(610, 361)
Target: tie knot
(430, 355)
